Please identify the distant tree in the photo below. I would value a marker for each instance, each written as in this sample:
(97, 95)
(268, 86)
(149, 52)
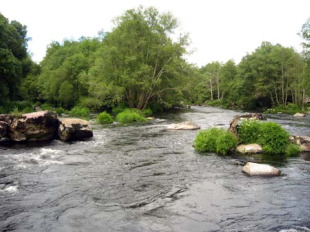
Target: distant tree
(270, 75)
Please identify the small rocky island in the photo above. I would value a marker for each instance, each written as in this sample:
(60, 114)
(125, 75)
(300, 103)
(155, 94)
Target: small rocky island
(43, 126)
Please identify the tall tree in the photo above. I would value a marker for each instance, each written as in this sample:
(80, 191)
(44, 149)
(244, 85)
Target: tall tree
(140, 61)
(14, 60)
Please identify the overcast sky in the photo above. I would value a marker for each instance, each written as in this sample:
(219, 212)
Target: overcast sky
(219, 29)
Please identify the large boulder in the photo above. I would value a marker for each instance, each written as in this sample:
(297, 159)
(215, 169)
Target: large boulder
(250, 149)
(303, 141)
(3, 129)
(37, 126)
(254, 169)
(183, 126)
(235, 123)
(299, 115)
(71, 129)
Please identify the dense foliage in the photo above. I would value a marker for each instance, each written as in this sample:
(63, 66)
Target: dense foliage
(140, 64)
(270, 135)
(130, 115)
(15, 63)
(105, 118)
(215, 140)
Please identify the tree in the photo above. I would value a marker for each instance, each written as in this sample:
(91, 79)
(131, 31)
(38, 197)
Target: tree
(14, 60)
(212, 74)
(139, 60)
(65, 67)
(305, 35)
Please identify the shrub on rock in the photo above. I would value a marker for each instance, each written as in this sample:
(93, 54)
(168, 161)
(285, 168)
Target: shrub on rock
(78, 111)
(292, 150)
(104, 118)
(215, 140)
(270, 135)
(130, 115)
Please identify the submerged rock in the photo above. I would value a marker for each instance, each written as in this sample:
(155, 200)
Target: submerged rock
(250, 148)
(235, 123)
(303, 141)
(299, 115)
(37, 126)
(71, 129)
(183, 126)
(254, 169)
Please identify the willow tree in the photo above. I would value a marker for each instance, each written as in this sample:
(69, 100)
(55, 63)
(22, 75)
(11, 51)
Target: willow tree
(139, 60)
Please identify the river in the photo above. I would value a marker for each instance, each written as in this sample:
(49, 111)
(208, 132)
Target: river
(145, 178)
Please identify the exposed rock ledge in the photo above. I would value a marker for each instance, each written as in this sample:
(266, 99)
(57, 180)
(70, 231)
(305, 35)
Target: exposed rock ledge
(42, 126)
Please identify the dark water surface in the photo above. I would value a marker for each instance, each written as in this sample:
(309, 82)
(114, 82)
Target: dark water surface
(144, 178)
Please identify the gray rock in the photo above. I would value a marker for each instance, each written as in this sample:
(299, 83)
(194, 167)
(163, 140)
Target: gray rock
(3, 129)
(235, 123)
(299, 115)
(250, 149)
(254, 169)
(303, 141)
(37, 126)
(183, 126)
(71, 129)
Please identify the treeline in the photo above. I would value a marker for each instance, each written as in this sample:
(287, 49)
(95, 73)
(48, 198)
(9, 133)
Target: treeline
(271, 76)
(140, 64)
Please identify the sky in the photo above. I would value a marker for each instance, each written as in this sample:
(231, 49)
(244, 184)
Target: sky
(219, 29)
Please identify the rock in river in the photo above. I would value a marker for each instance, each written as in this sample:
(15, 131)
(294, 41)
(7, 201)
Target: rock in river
(235, 123)
(183, 126)
(303, 141)
(250, 149)
(299, 115)
(37, 126)
(254, 169)
(3, 129)
(71, 129)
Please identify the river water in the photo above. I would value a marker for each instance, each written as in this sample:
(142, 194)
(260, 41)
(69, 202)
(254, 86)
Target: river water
(145, 178)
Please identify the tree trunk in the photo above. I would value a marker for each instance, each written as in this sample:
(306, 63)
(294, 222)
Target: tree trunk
(211, 90)
(276, 96)
(218, 86)
(282, 81)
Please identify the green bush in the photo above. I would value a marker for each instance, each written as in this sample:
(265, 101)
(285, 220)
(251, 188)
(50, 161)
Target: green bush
(215, 140)
(130, 115)
(104, 118)
(78, 111)
(60, 110)
(292, 150)
(290, 108)
(47, 106)
(118, 109)
(93, 104)
(147, 112)
(270, 135)
(248, 131)
(225, 143)
(28, 109)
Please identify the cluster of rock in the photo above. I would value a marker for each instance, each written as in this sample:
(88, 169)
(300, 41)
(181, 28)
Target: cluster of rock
(43, 126)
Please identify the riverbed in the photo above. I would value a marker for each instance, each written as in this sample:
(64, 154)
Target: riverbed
(145, 178)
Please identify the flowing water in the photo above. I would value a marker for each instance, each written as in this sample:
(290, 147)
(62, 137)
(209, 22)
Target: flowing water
(145, 178)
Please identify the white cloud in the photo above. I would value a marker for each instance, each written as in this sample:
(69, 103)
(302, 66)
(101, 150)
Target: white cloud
(219, 29)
